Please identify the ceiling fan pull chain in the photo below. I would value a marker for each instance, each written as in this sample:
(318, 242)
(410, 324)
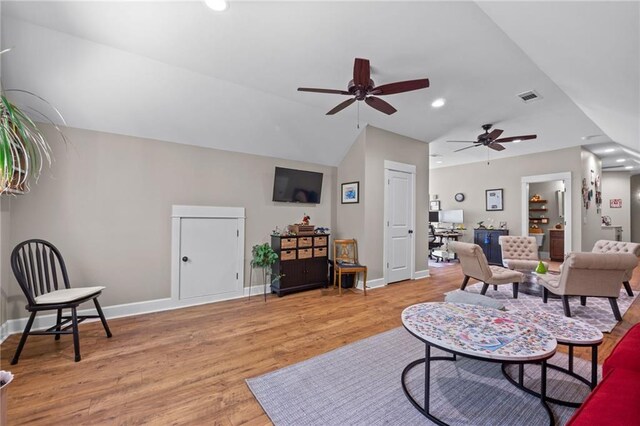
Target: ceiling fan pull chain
(358, 114)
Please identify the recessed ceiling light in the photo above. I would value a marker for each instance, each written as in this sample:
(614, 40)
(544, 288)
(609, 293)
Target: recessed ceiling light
(217, 5)
(438, 103)
(621, 160)
(609, 150)
(628, 167)
(517, 141)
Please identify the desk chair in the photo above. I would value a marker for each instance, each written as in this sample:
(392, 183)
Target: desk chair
(345, 258)
(433, 244)
(34, 264)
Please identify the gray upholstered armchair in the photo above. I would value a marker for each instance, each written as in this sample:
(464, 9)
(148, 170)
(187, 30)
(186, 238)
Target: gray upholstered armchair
(474, 265)
(519, 252)
(605, 246)
(589, 275)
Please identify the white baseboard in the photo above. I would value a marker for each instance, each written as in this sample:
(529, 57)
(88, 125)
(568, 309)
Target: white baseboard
(4, 331)
(421, 274)
(124, 310)
(371, 284)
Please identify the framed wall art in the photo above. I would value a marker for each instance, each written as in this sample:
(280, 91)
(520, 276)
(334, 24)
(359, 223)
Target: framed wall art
(351, 193)
(494, 199)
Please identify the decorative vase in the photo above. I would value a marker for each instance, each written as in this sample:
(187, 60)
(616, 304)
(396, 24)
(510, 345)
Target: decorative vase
(540, 269)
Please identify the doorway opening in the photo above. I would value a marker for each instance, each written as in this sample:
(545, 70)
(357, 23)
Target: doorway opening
(546, 213)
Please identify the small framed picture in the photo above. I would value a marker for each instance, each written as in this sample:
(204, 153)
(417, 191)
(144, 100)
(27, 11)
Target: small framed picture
(351, 193)
(494, 200)
(434, 205)
(615, 203)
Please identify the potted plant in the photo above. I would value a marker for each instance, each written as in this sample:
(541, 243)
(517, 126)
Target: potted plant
(264, 257)
(23, 146)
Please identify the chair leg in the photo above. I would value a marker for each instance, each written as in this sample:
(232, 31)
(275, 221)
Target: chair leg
(104, 320)
(613, 301)
(340, 283)
(515, 290)
(545, 295)
(465, 281)
(364, 284)
(565, 306)
(627, 287)
(485, 287)
(23, 339)
(583, 300)
(76, 335)
(58, 321)
(495, 287)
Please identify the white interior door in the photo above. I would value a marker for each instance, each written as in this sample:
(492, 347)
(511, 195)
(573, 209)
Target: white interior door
(399, 225)
(209, 257)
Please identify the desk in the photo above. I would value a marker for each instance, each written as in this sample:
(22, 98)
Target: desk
(445, 236)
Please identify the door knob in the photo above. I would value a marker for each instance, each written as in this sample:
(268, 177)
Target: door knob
(185, 258)
(411, 231)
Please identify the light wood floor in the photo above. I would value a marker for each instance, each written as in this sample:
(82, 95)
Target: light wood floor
(189, 366)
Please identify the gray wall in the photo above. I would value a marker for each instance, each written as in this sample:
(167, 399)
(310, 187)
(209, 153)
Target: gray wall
(473, 179)
(618, 185)
(350, 217)
(383, 145)
(635, 209)
(106, 204)
(591, 219)
(365, 163)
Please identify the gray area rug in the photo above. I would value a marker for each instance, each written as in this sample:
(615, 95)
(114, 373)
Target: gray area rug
(597, 312)
(359, 384)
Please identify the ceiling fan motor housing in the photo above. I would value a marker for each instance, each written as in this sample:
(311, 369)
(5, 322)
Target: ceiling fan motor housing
(359, 91)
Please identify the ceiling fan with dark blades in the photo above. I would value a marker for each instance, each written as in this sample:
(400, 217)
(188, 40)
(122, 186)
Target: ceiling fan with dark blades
(362, 88)
(492, 139)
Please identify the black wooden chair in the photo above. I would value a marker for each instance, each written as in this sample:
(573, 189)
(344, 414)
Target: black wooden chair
(41, 273)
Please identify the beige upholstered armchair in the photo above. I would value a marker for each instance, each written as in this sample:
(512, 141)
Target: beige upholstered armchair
(605, 246)
(474, 265)
(589, 275)
(519, 252)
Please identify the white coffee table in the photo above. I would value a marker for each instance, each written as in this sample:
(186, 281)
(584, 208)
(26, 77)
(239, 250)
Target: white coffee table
(475, 332)
(571, 333)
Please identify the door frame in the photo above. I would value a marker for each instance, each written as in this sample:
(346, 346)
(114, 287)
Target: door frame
(179, 212)
(410, 169)
(563, 176)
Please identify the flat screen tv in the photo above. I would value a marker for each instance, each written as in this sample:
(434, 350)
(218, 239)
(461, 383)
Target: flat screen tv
(297, 186)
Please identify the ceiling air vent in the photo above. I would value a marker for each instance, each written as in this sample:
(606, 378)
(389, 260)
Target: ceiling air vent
(529, 96)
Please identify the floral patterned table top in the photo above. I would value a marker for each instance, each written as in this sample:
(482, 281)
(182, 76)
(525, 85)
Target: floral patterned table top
(478, 331)
(565, 330)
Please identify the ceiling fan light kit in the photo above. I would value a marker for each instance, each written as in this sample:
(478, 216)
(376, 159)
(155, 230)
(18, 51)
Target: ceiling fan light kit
(363, 88)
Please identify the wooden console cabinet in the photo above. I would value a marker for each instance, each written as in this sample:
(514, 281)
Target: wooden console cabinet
(487, 239)
(556, 244)
(302, 262)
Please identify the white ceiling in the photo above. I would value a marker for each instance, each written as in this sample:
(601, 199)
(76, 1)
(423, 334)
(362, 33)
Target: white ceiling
(177, 71)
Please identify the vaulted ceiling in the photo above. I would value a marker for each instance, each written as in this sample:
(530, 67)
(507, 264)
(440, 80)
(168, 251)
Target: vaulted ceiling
(179, 72)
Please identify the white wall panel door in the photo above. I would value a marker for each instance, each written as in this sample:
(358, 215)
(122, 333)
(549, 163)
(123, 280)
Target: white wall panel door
(399, 225)
(209, 263)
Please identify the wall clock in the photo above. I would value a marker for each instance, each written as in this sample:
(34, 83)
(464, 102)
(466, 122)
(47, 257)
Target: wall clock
(459, 197)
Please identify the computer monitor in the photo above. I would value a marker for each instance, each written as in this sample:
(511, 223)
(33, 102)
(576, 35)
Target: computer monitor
(452, 216)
